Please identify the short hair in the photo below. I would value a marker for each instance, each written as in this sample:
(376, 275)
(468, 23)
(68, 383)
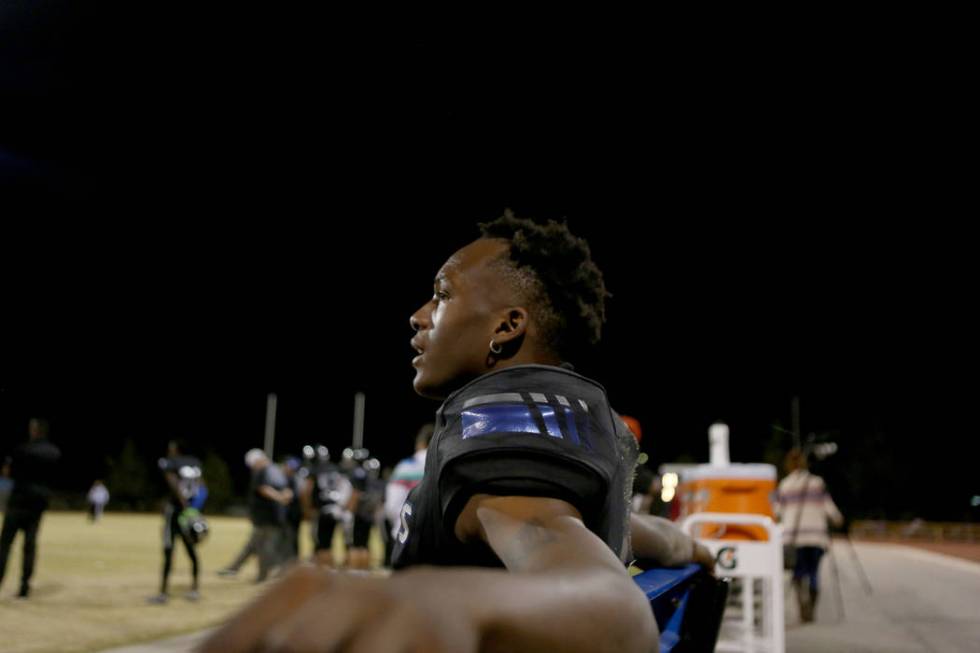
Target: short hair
(43, 426)
(796, 458)
(252, 456)
(180, 444)
(552, 269)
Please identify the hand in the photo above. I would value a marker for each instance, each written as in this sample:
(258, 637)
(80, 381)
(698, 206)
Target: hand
(286, 496)
(315, 610)
(702, 555)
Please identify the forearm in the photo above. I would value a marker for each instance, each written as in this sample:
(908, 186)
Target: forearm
(271, 493)
(565, 589)
(352, 502)
(833, 513)
(175, 490)
(584, 611)
(656, 538)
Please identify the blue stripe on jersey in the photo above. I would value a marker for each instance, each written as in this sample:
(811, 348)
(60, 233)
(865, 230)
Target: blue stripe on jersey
(550, 421)
(498, 418)
(572, 429)
(517, 418)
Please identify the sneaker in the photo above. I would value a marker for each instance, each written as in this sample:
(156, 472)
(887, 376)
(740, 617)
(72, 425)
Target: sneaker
(24, 592)
(227, 572)
(159, 599)
(193, 595)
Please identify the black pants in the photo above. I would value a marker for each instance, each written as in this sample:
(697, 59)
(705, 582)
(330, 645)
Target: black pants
(271, 543)
(272, 547)
(292, 536)
(171, 530)
(808, 565)
(247, 551)
(323, 539)
(17, 519)
(362, 531)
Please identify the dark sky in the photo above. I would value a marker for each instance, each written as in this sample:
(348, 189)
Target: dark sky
(201, 210)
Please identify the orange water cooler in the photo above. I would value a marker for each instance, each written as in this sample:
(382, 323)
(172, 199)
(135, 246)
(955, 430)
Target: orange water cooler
(736, 488)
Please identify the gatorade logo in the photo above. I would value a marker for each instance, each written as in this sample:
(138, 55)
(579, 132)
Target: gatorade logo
(726, 558)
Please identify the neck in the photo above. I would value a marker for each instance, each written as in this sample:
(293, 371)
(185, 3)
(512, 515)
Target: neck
(527, 356)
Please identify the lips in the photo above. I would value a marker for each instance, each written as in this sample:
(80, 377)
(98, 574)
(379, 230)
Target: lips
(417, 346)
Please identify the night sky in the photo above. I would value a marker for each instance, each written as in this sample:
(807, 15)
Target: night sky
(203, 209)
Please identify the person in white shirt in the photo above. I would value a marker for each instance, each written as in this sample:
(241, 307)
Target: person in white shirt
(804, 506)
(98, 497)
(406, 475)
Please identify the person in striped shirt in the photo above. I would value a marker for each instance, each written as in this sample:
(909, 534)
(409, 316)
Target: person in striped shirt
(804, 507)
(406, 475)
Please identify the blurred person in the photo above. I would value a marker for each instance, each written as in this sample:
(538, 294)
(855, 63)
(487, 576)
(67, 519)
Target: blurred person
(269, 495)
(249, 549)
(406, 475)
(528, 476)
(366, 504)
(291, 467)
(32, 466)
(804, 507)
(98, 497)
(186, 491)
(331, 495)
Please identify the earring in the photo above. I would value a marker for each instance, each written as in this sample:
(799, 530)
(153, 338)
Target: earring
(495, 348)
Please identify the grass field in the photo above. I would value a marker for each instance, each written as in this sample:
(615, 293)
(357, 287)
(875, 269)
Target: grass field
(91, 583)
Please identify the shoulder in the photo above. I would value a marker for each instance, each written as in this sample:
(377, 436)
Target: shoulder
(816, 481)
(527, 376)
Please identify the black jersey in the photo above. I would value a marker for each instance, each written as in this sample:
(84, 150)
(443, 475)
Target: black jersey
(371, 493)
(529, 430)
(331, 489)
(33, 466)
(188, 472)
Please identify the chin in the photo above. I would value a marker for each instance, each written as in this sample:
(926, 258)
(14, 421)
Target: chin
(423, 388)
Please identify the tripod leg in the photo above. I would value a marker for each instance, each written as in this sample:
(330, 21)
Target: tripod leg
(837, 586)
(857, 563)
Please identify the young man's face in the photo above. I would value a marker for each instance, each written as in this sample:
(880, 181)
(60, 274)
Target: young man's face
(455, 327)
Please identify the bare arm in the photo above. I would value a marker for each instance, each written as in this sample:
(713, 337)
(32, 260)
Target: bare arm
(567, 589)
(830, 508)
(659, 539)
(355, 496)
(279, 496)
(563, 590)
(174, 486)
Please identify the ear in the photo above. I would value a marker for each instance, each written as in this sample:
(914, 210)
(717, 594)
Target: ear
(512, 325)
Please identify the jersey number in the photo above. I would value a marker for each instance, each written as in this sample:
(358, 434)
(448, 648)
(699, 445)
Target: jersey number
(403, 527)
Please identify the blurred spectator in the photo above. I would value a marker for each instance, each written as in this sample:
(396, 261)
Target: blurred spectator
(268, 496)
(32, 467)
(407, 474)
(294, 510)
(185, 491)
(804, 506)
(98, 497)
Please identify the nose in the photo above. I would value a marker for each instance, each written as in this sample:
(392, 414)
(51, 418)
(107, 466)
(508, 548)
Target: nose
(419, 319)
